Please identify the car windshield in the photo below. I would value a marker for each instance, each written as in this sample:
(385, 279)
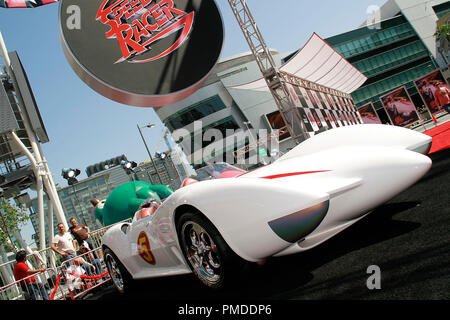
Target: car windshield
(218, 170)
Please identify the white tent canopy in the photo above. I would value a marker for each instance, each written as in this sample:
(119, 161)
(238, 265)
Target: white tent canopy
(317, 62)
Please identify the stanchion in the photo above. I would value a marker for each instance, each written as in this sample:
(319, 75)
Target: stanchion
(434, 119)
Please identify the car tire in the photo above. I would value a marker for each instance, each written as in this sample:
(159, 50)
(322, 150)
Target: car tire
(208, 255)
(120, 276)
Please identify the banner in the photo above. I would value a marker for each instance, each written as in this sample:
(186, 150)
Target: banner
(399, 107)
(24, 3)
(368, 114)
(312, 120)
(276, 122)
(427, 87)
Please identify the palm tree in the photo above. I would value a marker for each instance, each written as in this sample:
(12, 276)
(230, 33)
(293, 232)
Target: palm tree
(442, 35)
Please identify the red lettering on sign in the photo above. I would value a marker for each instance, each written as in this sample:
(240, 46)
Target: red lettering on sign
(136, 24)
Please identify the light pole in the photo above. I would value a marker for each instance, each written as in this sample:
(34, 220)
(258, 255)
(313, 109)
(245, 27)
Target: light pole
(70, 175)
(151, 125)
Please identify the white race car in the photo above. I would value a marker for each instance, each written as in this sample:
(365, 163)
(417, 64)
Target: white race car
(310, 194)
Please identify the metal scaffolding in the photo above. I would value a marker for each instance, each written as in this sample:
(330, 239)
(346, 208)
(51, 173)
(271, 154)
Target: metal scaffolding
(275, 80)
(26, 144)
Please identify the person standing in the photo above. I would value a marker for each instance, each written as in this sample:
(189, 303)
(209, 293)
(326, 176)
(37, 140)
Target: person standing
(64, 244)
(29, 284)
(81, 233)
(442, 96)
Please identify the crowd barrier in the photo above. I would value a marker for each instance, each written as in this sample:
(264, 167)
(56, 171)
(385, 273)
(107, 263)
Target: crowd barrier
(71, 284)
(84, 273)
(40, 286)
(36, 260)
(73, 279)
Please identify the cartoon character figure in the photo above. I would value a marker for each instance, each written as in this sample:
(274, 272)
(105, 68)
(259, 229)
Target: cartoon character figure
(124, 201)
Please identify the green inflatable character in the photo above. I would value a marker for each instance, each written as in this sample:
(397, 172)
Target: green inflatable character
(125, 200)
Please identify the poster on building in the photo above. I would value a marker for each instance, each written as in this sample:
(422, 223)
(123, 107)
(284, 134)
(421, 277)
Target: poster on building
(276, 122)
(433, 88)
(317, 118)
(336, 117)
(318, 99)
(301, 96)
(349, 119)
(333, 118)
(343, 120)
(399, 107)
(368, 114)
(313, 102)
(294, 96)
(355, 118)
(358, 117)
(338, 103)
(326, 117)
(305, 119)
(312, 119)
(327, 101)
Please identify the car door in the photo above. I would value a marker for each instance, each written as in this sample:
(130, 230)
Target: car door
(152, 252)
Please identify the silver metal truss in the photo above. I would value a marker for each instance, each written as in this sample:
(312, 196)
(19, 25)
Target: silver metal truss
(276, 81)
(43, 176)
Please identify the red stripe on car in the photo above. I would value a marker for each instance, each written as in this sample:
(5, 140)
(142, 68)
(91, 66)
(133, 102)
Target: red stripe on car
(284, 175)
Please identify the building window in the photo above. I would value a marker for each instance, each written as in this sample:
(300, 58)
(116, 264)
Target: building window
(390, 59)
(195, 112)
(221, 125)
(374, 40)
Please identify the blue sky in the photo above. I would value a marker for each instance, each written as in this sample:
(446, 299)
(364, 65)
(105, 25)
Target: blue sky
(85, 128)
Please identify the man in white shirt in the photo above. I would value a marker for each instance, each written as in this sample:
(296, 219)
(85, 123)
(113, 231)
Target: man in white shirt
(64, 244)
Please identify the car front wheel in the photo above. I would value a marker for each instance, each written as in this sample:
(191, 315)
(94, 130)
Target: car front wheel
(208, 255)
(120, 277)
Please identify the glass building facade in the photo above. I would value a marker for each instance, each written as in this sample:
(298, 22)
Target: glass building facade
(390, 56)
(195, 112)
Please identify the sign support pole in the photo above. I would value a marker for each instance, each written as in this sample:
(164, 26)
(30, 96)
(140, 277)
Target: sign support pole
(274, 78)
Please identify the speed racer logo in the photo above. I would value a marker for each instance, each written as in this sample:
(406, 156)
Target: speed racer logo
(139, 24)
(144, 249)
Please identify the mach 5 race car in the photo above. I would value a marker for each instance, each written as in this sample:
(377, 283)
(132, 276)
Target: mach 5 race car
(316, 190)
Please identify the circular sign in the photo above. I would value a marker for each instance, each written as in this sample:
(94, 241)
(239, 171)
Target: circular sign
(145, 53)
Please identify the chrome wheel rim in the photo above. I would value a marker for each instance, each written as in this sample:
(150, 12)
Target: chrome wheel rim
(201, 252)
(114, 272)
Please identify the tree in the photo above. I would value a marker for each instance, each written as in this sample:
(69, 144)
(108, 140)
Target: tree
(12, 218)
(442, 35)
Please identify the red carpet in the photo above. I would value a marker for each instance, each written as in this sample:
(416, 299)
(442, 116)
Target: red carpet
(441, 137)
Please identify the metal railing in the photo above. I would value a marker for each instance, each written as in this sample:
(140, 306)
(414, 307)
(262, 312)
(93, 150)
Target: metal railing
(47, 258)
(84, 273)
(40, 286)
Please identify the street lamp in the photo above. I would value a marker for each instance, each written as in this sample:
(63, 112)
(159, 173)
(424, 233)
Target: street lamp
(128, 166)
(70, 175)
(151, 125)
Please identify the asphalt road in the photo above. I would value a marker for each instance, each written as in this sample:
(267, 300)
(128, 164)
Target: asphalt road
(408, 238)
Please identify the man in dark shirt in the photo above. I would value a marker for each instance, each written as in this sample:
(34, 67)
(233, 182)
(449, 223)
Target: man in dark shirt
(80, 233)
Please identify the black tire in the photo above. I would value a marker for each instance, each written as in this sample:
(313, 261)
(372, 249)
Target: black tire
(120, 277)
(212, 260)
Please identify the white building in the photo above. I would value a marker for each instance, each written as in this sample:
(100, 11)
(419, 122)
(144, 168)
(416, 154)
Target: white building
(219, 107)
